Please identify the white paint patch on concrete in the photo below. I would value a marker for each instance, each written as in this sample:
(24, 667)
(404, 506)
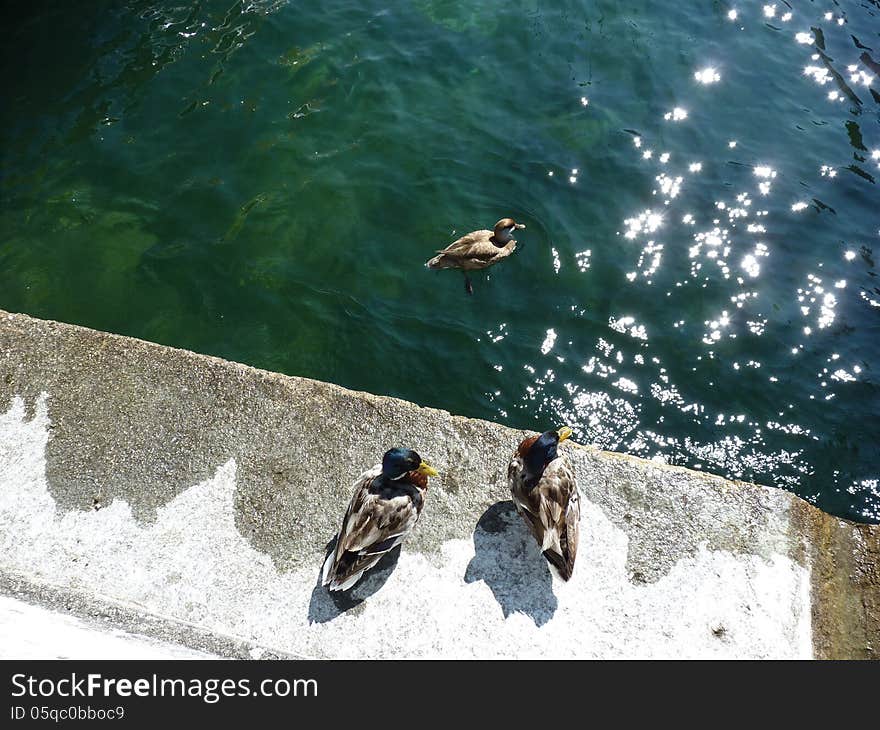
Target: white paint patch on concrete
(487, 597)
(31, 632)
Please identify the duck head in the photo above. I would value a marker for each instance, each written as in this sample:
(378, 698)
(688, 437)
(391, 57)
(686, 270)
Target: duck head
(538, 451)
(504, 229)
(398, 462)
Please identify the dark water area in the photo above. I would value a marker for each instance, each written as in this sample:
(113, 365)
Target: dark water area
(264, 180)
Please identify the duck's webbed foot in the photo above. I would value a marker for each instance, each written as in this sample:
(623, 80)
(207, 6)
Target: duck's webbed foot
(468, 287)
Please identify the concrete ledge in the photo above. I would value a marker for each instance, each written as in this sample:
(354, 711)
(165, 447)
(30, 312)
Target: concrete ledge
(204, 492)
(59, 635)
(89, 613)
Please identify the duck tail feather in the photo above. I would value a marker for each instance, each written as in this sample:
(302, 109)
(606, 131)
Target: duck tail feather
(347, 583)
(563, 566)
(327, 570)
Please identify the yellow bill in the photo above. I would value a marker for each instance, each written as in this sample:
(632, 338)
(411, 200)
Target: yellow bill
(564, 433)
(426, 468)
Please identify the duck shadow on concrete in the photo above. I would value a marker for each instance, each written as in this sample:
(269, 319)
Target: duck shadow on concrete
(325, 606)
(508, 560)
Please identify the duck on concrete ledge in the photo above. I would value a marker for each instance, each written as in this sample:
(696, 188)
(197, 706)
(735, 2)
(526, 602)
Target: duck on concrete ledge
(386, 505)
(478, 250)
(544, 490)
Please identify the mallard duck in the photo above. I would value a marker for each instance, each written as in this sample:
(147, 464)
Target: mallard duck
(545, 493)
(386, 504)
(478, 250)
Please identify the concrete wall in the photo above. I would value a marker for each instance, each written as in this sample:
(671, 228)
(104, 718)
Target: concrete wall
(190, 499)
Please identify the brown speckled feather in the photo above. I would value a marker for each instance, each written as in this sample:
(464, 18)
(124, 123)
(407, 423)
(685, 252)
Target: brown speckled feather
(551, 509)
(376, 521)
(476, 250)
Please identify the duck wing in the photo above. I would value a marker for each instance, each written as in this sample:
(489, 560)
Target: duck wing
(551, 510)
(474, 245)
(378, 517)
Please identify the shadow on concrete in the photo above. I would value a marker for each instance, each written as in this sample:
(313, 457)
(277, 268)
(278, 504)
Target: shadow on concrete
(508, 560)
(326, 606)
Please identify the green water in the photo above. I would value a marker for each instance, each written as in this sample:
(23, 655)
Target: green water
(263, 181)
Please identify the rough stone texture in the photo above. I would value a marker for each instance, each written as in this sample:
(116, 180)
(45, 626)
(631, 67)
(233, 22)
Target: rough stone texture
(220, 485)
(61, 635)
(96, 612)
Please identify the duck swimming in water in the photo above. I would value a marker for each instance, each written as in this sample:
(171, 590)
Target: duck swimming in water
(478, 250)
(544, 490)
(386, 505)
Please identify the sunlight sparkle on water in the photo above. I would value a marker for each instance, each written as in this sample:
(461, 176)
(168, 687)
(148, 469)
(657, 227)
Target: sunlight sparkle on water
(670, 186)
(499, 335)
(626, 385)
(707, 76)
(819, 73)
(715, 326)
(646, 222)
(858, 76)
(750, 265)
(627, 325)
(582, 258)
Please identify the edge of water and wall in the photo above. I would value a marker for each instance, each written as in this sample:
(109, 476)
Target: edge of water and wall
(177, 500)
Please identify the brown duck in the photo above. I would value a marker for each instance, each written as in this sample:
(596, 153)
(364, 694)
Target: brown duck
(544, 490)
(385, 506)
(478, 250)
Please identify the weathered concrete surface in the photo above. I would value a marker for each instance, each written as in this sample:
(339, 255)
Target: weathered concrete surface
(57, 635)
(203, 493)
(90, 610)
